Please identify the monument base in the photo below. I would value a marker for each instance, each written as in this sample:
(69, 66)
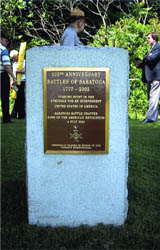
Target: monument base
(68, 189)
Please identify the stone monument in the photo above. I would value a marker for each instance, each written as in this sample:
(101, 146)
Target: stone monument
(77, 135)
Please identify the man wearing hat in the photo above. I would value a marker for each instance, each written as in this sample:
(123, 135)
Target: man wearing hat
(77, 23)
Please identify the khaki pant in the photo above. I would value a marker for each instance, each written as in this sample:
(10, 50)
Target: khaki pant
(154, 96)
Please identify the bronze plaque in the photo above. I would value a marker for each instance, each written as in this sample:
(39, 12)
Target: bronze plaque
(76, 110)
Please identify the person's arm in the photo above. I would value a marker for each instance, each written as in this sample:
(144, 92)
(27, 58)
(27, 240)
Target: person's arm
(9, 70)
(139, 63)
(68, 39)
(22, 71)
(153, 56)
(7, 64)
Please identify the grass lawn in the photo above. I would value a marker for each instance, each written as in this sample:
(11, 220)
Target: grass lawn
(142, 228)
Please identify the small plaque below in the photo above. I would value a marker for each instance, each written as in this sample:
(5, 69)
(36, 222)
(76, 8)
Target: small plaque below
(76, 110)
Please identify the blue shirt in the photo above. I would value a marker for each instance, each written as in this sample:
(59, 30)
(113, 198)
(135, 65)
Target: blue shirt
(70, 37)
(5, 60)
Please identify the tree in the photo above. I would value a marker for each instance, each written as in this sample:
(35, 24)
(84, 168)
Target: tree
(41, 22)
(130, 34)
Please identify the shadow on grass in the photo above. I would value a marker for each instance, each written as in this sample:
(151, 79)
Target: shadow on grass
(141, 124)
(142, 228)
(14, 203)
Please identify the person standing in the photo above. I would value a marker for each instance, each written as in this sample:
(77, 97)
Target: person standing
(5, 71)
(19, 107)
(151, 73)
(77, 24)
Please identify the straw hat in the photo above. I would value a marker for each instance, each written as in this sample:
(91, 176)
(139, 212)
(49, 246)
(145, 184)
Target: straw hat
(77, 13)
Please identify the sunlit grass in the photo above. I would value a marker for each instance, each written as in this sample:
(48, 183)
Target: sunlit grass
(142, 228)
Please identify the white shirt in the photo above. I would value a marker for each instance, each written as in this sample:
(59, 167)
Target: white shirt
(15, 69)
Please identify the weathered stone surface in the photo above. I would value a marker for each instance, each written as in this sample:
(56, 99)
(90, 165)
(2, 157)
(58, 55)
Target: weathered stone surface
(77, 189)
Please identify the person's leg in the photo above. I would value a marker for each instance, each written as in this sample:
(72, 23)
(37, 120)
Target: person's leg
(23, 113)
(5, 90)
(148, 89)
(21, 101)
(154, 96)
(14, 111)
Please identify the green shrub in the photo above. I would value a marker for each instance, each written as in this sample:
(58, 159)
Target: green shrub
(130, 34)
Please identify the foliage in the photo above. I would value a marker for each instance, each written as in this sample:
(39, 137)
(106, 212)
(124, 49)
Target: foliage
(17, 20)
(41, 22)
(130, 34)
(141, 10)
(114, 23)
(142, 228)
(11, 105)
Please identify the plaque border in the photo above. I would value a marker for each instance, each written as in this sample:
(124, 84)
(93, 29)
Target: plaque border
(105, 69)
